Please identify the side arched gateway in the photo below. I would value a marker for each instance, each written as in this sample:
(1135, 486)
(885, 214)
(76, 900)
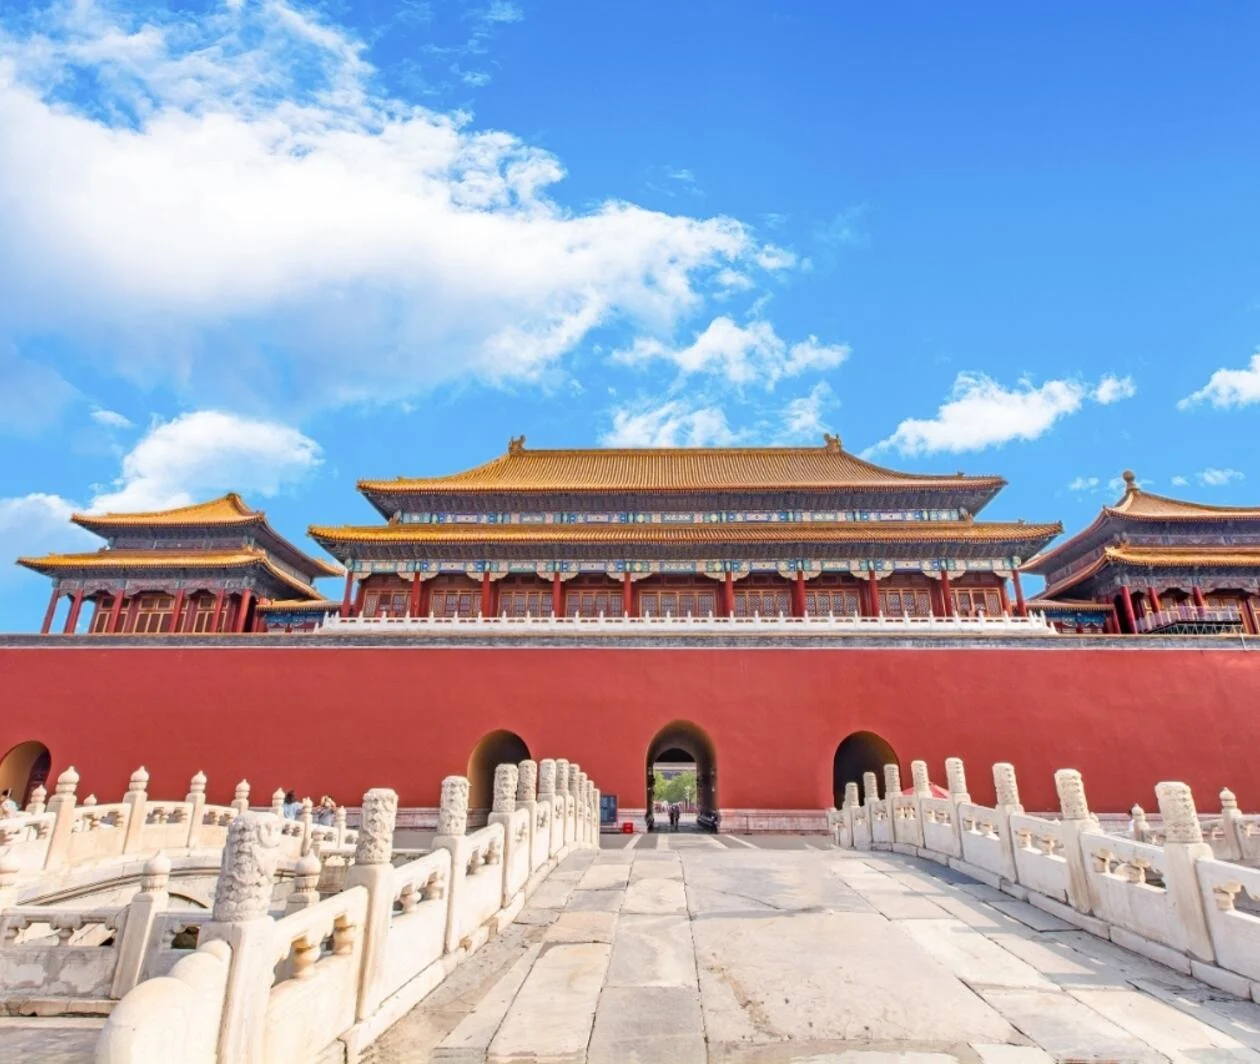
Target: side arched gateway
(497, 748)
(860, 752)
(23, 769)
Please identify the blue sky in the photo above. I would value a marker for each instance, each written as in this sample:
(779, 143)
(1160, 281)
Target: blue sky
(271, 246)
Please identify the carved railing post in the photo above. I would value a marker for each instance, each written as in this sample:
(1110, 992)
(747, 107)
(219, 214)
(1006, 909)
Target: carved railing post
(598, 806)
(137, 932)
(196, 799)
(564, 803)
(62, 804)
(307, 821)
(527, 799)
(240, 800)
(36, 804)
(892, 781)
(898, 828)
(1007, 804)
(870, 788)
(339, 826)
(372, 869)
(277, 803)
(1231, 825)
(503, 812)
(1141, 827)
(1183, 846)
(136, 802)
(241, 918)
(452, 836)
(956, 779)
(305, 892)
(1077, 821)
(547, 796)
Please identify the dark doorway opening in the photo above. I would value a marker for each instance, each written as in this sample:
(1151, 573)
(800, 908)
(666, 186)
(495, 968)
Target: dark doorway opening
(681, 765)
(860, 752)
(498, 748)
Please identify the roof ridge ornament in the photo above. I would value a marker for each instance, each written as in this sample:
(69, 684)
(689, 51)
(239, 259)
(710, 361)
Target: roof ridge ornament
(1130, 482)
(832, 443)
(516, 445)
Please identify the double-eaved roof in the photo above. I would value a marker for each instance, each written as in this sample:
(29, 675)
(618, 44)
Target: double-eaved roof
(671, 472)
(237, 537)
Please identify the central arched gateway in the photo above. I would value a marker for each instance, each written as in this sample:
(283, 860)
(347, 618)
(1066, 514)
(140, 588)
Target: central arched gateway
(859, 753)
(683, 741)
(496, 748)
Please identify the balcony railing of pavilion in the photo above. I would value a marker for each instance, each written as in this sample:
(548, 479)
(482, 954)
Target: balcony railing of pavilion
(1187, 615)
(1034, 624)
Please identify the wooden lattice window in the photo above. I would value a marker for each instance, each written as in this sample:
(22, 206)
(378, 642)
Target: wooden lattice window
(764, 601)
(200, 615)
(386, 603)
(455, 603)
(833, 601)
(592, 602)
(693, 602)
(100, 620)
(973, 601)
(905, 602)
(154, 613)
(517, 602)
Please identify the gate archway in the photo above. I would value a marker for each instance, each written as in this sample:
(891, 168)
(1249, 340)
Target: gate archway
(681, 741)
(860, 752)
(24, 768)
(496, 748)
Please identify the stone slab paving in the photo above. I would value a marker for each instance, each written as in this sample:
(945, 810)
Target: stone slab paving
(793, 952)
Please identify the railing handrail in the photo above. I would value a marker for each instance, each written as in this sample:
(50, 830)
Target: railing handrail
(1188, 612)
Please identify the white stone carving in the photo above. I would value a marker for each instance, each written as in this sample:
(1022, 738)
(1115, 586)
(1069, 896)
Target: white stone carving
(375, 844)
(956, 780)
(919, 774)
(527, 781)
(851, 796)
(1005, 787)
(892, 781)
(247, 873)
(1181, 820)
(453, 812)
(870, 787)
(1071, 791)
(547, 778)
(505, 783)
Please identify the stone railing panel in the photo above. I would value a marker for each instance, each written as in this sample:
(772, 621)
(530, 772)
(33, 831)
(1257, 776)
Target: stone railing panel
(540, 837)
(985, 839)
(516, 865)
(59, 953)
(1235, 932)
(881, 822)
(417, 927)
(940, 826)
(25, 837)
(174, 937)
(860, 826)
(1127, 888)
(1039, 860)
(907, 831)
(481, 893)
(318, 952)
(98, 831)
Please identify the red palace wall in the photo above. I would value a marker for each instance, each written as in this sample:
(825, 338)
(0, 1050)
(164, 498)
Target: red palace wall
(340, 720)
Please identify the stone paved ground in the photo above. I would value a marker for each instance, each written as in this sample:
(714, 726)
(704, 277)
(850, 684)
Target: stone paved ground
(687, 948)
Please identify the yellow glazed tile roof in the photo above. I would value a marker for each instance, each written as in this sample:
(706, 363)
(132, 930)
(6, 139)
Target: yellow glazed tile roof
(158, 559)
(794, 532)
(1161, 558)
(298, 605)
(1143, 504)
(228, 509)
(674, 469)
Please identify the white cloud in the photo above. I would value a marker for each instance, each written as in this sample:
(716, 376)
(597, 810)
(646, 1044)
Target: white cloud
(194, 457)
(111, 419)
(1084, 484)
(236, 185)
(802, 418)
(843, 230)
(981, 413)
(742, 354)
(204, 453)
(1180, 482)
(1218, 478)
(672, 423)
(1112, 389)
(1228, 388)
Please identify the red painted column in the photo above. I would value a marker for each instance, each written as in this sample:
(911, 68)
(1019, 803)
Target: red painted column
(243, 610)
(1248, 617)
(487, 596)
(414, 608)
(728, 595)
(1153, 596)
(346, 598)
(557, 595)
(947, 595)
(798, 607)
(627, 596)
(1129, 616)
(115, 613)
(1006, 602)
(177, 613)
(1020, 606)
(358, 599)
(52, 609)
(872, 594)
(218, 610)
(1197, 593)
(72, 618)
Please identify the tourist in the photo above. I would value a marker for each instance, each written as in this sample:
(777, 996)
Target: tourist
(292, 808)
(327, 812)
(8, 807)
